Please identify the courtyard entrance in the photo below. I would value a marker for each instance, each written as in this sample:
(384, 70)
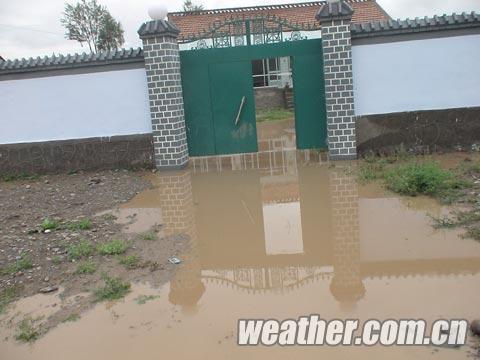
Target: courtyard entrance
(229, 70)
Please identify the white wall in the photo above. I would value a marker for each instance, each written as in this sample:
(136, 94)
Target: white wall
(428, 74)
(74, 106)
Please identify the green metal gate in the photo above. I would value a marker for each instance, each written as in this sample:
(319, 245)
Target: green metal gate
(219, 100)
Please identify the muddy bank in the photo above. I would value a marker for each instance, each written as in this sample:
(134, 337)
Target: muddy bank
(51, 233)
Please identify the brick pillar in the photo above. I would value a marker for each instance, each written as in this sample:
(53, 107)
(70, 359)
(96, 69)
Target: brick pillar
(347, 285)
(335, 18)
(162, 64)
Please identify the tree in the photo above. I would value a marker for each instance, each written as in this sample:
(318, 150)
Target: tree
(91, 23)
(189, 6)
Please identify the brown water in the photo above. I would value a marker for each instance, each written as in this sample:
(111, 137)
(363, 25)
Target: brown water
(277, 235)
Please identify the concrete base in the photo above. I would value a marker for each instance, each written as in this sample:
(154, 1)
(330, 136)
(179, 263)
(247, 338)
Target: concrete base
(419, 131)
(130, 151)
(342, 157)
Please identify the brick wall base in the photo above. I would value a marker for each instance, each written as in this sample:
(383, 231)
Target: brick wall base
(130, 151)
(419, 131)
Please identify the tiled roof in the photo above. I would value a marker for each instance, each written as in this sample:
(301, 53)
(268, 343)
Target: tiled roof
(334, 9)
(120, 56)
(152, 28)
(436, 23)
(191, 23)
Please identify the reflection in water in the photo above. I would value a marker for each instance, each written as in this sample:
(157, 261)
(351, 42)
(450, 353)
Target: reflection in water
(276, 221)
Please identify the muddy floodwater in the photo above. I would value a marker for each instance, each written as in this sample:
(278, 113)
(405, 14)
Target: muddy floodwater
(273, 236)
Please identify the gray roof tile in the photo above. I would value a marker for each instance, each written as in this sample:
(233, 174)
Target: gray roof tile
(120, 56)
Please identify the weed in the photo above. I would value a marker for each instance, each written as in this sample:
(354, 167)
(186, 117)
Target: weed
(113, 247)
(86, 268)
(24, 263)
(82, 249)
(142, 299)
(114, 289)
(6, 297)
(56, 260)
(421, 178)
(72, 317)
(371, 169)
(27, 330)
(149, 236)
(443, 222)
(130, 262)
(84, 224)
(50, 224)
(473, 233)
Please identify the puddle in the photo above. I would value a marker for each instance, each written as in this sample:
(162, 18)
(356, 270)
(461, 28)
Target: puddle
(276, 235)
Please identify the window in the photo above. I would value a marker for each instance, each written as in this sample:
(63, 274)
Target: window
(274, 72)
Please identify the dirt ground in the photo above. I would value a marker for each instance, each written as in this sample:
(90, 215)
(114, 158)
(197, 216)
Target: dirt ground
(67, 199)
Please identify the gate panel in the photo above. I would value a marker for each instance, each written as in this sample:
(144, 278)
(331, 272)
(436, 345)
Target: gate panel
(233, 107)
(309, 97)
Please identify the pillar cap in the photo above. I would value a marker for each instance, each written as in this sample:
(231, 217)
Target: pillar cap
(158, 28)
(334, 10)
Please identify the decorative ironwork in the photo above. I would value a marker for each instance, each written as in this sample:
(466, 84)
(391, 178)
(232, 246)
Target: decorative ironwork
(248, 30)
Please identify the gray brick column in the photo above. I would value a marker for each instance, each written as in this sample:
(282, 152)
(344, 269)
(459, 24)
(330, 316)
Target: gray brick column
(335, 18)
(162, 64)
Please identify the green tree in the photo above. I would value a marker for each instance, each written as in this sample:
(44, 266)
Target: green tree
(91, 23)
(189, 6)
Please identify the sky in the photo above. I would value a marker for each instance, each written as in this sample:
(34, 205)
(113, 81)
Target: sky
(31, 28)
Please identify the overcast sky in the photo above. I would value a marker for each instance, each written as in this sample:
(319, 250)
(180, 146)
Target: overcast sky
(32, 27)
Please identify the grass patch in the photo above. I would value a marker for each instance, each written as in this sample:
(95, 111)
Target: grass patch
(56, 260)
(142, 299)
(24, 263)
(148, 236)
(50, 224)
(83, 249)
(22, 176)
(114, 289)
(27, 330)
(84, 224)
(6, 297)
(130, 262)
(276, 114)
(86, 268)
(443, 222)
(72, 317)
(113, 247)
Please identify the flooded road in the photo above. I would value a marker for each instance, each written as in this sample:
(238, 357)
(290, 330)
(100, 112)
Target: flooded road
(275, 235)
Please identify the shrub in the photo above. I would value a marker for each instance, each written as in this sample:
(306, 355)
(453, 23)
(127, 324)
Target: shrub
(27, 331)
(85, 268)
(50, 224)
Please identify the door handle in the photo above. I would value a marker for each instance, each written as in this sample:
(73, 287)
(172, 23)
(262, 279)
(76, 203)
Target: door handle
(242, 103)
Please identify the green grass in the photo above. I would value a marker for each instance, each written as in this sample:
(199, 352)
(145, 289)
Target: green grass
(84, 224)
(142, 299)
(27, 330)
(22, 176)
(56, 260)
(86, 268)
(148, 236)
(276, 114)
(24, 263)
(113, 247)
(6, 297)
(83, 249)
(422, 178)
(114, 289)
(72, 317)
(130, 261)
(50, 224)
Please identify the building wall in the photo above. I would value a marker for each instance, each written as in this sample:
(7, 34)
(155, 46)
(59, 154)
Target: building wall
(429, 74)
(269, 98)
(62, 107)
